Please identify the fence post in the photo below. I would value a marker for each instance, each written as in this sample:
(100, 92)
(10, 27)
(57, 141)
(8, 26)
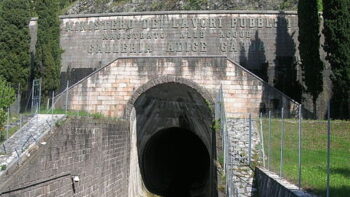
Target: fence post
(52, 102)
(20, 121)
(33, 96)
(282, 142)
(48, 104)
(67, 96)
(262, 140)
(40, 80)
(269, 146)
(3, 145)
(8, 123)
(19, 99)
(328, 146)
(299, 148)
(250, 140)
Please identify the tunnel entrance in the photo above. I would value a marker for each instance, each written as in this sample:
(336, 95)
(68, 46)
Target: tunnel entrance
(175, 141)
(178, 162)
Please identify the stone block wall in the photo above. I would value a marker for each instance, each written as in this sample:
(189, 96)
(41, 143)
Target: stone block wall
(97, 151)
(112, 88)
(255, 39)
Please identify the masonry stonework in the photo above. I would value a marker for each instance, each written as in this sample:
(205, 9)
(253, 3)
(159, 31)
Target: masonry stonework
(112, 60)
(255, 39)
(110, 90)
(97, 151)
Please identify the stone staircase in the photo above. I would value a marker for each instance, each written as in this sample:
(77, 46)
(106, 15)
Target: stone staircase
(28, 135)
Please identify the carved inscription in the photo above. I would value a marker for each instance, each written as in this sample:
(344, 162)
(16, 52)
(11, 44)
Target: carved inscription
(173, 34)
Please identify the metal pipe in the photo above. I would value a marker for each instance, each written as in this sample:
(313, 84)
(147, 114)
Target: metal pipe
(32, 95)
(262, 140)
(67, 96)
(299, 148)
(39, 102)
(328, 146)
(52, 102)
(269, 146)
(8, 123)
(282, 141)
(250, 140)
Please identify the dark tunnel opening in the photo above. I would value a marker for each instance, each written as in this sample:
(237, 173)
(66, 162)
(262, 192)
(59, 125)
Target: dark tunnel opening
(176, 163)
(175, 141)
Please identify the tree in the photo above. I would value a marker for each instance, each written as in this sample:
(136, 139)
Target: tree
(309, 46)
(7, 97)
(48, 51)
(319, 5)
(336, 30)
(15, 41)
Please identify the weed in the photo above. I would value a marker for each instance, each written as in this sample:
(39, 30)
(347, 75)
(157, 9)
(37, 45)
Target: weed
(216, 125)
(3, 167)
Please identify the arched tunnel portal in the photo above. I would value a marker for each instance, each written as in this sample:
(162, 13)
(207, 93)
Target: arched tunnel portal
(175, 141)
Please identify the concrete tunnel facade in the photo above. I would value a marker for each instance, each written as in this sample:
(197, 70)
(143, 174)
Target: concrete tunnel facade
(175, 141)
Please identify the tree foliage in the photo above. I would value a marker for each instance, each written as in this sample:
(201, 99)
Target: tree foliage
(15, 41)
(319, 5)
(48, 51)
(309, 48)
(336, 15)
(7, 97)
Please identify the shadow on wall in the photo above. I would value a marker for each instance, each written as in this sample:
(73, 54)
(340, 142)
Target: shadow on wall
(285, 77)
(256, 55)
(257, 51)
(255, 60)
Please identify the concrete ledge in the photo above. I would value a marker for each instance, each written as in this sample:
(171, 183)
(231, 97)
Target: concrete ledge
(270, 184)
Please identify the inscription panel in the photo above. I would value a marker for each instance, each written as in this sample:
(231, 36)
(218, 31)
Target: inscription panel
(250, 39)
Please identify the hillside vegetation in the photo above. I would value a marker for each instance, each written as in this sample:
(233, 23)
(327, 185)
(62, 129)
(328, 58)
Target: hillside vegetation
(105, 6)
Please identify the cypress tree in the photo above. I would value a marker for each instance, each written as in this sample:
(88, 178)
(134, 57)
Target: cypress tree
(15, 41)
(48, 51)
(336, 15)
(309, 46)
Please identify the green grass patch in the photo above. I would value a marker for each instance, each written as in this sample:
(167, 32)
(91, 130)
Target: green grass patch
(10, 133)
(314, 154)
(73, 113)
(3, 167)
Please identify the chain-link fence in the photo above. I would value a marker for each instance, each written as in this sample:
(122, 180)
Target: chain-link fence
(24, 126)
(313, 154)
(18, 114)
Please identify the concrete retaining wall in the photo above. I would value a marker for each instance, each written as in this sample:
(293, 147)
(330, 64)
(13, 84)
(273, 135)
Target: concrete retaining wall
(269, 184)
(97, 151)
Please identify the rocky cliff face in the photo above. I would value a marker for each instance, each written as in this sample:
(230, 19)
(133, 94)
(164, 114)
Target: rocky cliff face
(104, 6)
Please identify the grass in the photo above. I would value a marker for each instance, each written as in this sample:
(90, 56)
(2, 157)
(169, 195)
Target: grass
(314, 154)
(10, 132)
(73, 113)
(2, 167)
